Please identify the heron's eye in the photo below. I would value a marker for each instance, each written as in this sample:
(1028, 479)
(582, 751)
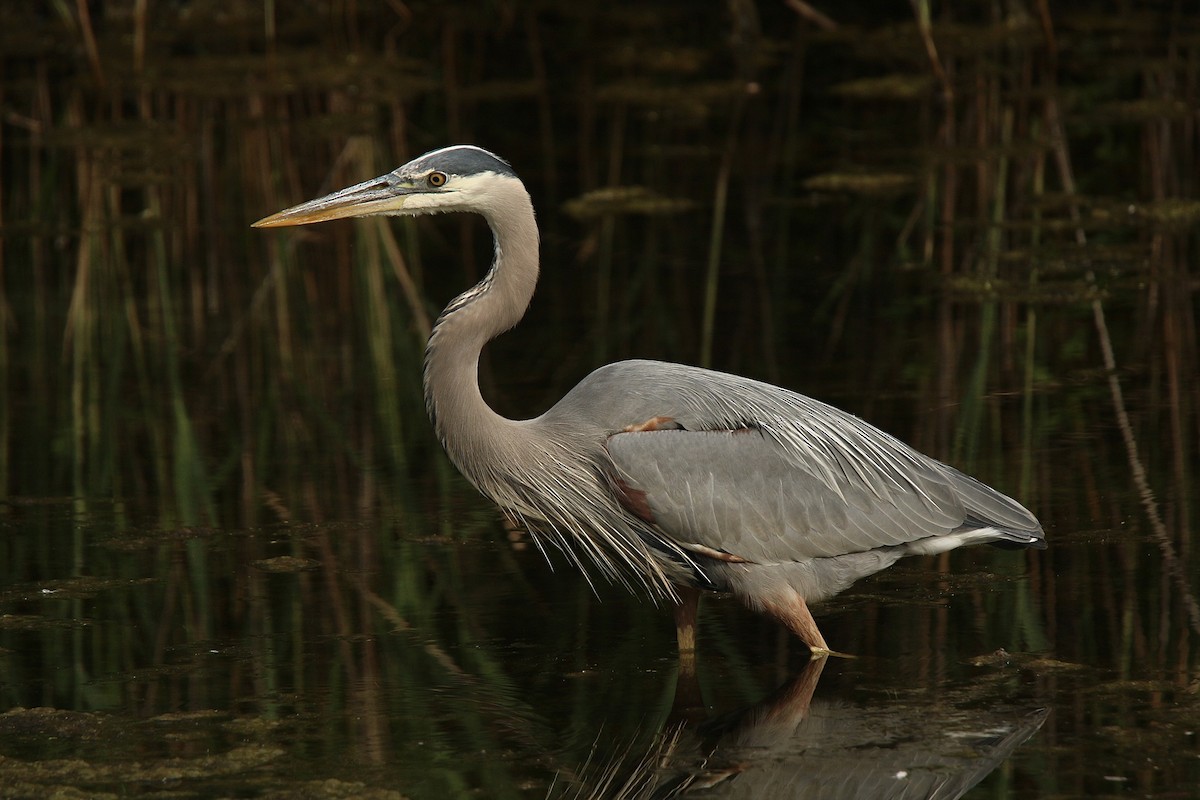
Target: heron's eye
(436, 179)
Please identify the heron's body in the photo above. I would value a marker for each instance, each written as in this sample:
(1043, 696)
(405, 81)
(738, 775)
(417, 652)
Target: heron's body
(664, 474)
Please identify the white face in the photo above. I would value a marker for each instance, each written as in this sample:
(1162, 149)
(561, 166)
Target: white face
(437, 192)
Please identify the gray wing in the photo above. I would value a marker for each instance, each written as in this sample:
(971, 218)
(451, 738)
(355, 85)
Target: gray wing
(796, 479)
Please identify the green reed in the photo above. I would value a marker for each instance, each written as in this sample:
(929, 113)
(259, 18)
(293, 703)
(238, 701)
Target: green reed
(157, 352)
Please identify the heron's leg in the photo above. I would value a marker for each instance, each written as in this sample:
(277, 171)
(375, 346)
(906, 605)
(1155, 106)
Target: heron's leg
(689, 703)
(686, 609)
(792, 611)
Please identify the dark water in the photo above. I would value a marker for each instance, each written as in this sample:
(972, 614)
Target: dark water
(352, 659)
(234, 563)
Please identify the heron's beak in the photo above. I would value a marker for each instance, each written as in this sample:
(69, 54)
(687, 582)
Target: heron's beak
(383, 195)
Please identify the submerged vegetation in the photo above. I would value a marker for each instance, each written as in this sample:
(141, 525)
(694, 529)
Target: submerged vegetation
(976, 226)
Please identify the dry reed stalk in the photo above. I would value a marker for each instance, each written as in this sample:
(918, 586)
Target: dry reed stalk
(1171, 562)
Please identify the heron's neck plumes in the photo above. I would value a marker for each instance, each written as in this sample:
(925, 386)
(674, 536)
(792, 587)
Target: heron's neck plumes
(467, 426)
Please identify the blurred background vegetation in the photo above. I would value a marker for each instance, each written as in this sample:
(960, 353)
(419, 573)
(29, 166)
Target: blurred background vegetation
(897, 214)
(940, 218)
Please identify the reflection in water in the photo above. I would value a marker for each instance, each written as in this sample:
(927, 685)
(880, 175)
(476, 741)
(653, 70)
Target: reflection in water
(431, 670)
(791, 746)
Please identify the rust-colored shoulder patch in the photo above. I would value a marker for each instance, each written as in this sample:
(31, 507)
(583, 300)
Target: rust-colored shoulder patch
(654, 424)
(633, 500)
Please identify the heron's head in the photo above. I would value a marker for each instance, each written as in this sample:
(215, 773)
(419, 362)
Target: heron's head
(458, 178)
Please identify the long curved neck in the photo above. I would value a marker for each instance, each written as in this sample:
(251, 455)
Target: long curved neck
(466, 425)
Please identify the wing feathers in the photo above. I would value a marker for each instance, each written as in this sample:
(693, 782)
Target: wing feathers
(753, 498)
(768, 475)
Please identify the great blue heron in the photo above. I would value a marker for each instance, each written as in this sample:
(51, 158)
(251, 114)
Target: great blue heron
(677, 478)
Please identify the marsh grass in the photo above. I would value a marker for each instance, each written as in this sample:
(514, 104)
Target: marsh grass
(887, 215)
